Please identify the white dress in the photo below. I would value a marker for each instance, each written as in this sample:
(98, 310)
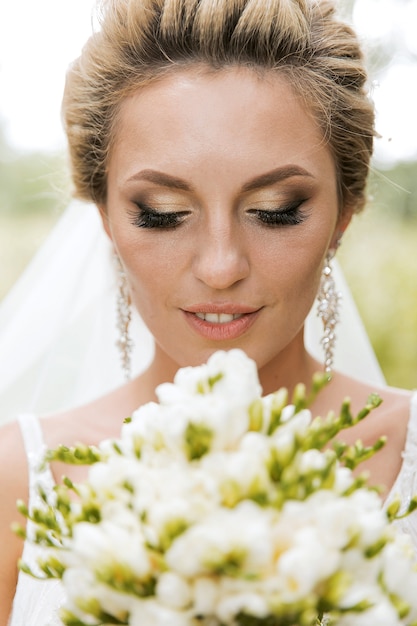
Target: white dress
(37, 603)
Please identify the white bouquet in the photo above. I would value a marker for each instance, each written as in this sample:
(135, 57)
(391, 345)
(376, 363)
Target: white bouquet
(219, 507)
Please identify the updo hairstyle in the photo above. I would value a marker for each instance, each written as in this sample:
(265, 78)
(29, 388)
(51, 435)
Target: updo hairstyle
(139, 41)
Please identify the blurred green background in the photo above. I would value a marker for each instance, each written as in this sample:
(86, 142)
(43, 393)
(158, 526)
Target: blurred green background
(379, 250)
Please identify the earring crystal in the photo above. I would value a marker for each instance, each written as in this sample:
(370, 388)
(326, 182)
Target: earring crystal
(124, 315)
(328, 310)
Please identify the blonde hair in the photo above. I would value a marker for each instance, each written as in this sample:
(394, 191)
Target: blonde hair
(141, 40)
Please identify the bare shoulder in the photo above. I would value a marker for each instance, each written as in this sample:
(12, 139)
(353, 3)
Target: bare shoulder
(13, 471)
(13, 465)
(391, 416)
(395, 402)
(389, 420)
(13, 486)
(91, 423)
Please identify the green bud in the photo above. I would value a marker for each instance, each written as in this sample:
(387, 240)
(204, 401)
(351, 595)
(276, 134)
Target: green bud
(52, 567)
(279, 459)
(137, 443)
(116, 447)
(374, 400)
(319, 381)
(393, 509)
(128, 486)
(24, 567)
(413, 505)
(172, 529)
(256, 416)
(230, 493)
(70, 619)
(257, 492)
(197, 440)
(375, 548)
(206, 386)
(360, 607)
(299, 397)
(229, 564)
(90, 606)
(68, 482)
(401, 606)
(396, 505)
(339, 448)
(335, 588)
(80, 454)
(346, 418)
(279, 401)
(22, 508)
(18, 530)
(359, 482)
(91, 512)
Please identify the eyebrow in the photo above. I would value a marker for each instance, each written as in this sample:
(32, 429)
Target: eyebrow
(275, 176)
(162, 179)
(264, 180)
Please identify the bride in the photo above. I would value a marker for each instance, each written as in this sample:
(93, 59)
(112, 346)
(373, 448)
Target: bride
(226, 146)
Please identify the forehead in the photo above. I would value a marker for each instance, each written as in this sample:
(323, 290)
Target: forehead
(236, 117)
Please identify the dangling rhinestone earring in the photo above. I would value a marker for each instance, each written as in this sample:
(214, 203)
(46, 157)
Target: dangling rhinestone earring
(328, 310)
(124, 315)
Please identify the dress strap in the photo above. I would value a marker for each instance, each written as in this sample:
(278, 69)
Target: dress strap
(35, 447)
(410, 451)
(36, 601)
(414, 407)
(406, 482)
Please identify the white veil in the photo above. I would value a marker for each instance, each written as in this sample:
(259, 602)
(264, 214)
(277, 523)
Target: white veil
(58, 325)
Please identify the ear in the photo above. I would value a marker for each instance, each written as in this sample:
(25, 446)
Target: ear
(341, 225)
(105, 220)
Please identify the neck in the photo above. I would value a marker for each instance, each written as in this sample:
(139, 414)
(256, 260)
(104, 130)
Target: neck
(292, 366)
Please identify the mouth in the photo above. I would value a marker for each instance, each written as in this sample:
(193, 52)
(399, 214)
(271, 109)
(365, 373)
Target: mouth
(219, 318)
(221, 323)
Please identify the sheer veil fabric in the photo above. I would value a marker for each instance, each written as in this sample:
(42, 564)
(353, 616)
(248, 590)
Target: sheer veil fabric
(58, 325)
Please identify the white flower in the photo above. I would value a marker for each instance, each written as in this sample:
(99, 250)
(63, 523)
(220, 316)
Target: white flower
(251, 603)
(154, 428)
(84, 593)
(397, 576)
(312, 460)
(241, 472)
(214, 545)
(101, 546)
(344, 479)
(230, 375)
(371, 521)
(151, 613)
(305, 564)
(206, 593)
(173, 591)
(109, 478)
(381, 614)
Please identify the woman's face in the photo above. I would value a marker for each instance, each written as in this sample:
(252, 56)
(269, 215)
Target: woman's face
(222, 203)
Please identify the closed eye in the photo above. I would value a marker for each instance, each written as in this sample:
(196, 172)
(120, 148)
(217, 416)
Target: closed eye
(148, 217)
(289, 215)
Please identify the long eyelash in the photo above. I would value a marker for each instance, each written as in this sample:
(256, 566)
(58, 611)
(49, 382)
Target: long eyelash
(290, 215)
(147, 217)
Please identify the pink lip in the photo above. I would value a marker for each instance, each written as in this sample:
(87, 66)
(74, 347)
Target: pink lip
(221, 331)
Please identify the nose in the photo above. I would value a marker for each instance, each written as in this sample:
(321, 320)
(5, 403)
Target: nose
(221, 258)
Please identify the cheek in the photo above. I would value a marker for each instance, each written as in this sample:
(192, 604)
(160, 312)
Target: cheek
(293, 266)
(152, 268)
